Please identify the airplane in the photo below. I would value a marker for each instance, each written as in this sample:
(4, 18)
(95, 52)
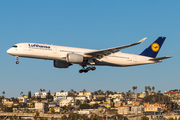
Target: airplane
(63, 56)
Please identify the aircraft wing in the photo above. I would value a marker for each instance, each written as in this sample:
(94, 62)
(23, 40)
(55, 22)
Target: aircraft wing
(101, 53)
(160, 58)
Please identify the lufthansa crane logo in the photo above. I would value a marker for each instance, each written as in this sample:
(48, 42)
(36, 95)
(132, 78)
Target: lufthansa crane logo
(155, 47)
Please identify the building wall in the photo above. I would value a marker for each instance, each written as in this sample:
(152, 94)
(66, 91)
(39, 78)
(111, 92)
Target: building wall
(123, 109)
(61, 93)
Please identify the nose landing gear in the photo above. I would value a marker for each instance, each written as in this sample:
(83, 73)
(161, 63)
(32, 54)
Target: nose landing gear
(87, 69)
(17, 61)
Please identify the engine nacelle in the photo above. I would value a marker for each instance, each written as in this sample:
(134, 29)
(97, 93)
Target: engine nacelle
(61, 64)
(74, 58)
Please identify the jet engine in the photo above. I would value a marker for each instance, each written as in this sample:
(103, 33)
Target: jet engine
(74, 58)
(61, 64)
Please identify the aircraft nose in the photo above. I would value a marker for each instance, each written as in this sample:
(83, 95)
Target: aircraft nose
(8, 51)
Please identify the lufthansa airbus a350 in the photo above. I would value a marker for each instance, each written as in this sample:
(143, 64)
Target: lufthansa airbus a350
(63, 57)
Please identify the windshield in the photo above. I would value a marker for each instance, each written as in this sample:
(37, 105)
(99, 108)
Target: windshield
(14, 46)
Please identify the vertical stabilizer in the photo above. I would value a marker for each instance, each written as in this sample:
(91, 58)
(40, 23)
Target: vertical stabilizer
(154, 48)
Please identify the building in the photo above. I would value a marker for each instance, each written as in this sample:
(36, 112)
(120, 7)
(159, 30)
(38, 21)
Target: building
(124, 109)
(98, 96)
(52, 105)
(94, 102)
(57, 109)
(29, 104)
(134, 95)
(154, 107)
(173, 94)
(115, 100)
(40, 94)
(142, 95)
(117, 104)
(68, 101)
(22, 99)
(137, 109)
(7, 102)
(120, 96)
(134, 103)
(24, 110)
(89, 95)
(107, 104)
(83, 99)
(41, 107)
(60, 95)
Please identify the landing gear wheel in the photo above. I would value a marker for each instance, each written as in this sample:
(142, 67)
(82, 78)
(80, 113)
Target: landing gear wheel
(85, 71)
(17, 59)
(93, 68)
(81, 71)
(88, 68)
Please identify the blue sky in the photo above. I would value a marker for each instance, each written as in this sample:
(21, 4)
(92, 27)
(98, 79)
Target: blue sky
(88, 24)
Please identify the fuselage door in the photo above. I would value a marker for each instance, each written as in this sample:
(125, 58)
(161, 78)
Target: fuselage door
(25, 47)
(55, 50)
(134, 59)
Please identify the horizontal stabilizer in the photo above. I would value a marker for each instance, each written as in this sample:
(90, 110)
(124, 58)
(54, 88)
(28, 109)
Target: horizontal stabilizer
(160, 58)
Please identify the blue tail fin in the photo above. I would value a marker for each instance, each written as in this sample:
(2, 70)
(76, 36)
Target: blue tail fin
(154, 48)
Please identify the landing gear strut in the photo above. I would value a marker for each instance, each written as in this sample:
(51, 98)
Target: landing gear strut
(85, 70)
(17, 62)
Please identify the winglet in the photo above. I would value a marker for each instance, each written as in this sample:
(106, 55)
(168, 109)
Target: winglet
(142, 40)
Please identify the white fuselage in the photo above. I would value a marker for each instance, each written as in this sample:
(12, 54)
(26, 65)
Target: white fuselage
(53, 52)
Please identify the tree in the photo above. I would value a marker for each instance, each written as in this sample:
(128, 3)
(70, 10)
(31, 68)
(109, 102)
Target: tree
(44, 90)
(72, 91)
(84, 106)
(171, 118)
(21, 93)
(136, 88)
(95, 92)
(49, 96)
(108, 92)
(29, 94)
(78, 102)
(144, 118)
(149, 88)
(146, 88)
(95, 106)
(71, 116)
(153, 88)
(100, 92)
(64, 117)
(3, 93)
(115, 92)
(52, 110)
(133, 88)
(84, 91)
(40, 90)
(155, 99)
(15, 117)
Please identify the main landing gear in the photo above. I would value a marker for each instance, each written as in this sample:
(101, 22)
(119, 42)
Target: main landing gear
(17, 61)
(85, 70)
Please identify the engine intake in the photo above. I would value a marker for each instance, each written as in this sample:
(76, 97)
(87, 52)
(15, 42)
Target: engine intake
(74, 58)
(61, 64)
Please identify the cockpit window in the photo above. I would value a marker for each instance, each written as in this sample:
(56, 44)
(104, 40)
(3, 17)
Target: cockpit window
(15, 46)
